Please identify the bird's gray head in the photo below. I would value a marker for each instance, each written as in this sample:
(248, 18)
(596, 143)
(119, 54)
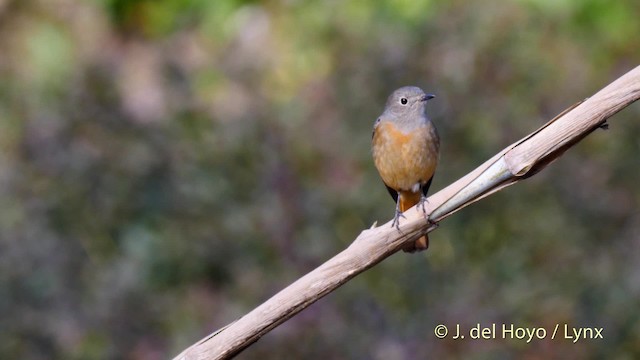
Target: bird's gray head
(406, 104)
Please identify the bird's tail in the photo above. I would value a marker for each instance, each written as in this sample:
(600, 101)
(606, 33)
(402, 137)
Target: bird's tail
(407, 201)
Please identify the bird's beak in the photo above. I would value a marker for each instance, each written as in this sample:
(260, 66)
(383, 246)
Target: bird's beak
(427, 97)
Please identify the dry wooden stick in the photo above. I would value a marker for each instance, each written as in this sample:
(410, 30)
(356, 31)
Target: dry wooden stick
(516, 162)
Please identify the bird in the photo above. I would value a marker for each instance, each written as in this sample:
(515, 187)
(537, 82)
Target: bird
(406, 149)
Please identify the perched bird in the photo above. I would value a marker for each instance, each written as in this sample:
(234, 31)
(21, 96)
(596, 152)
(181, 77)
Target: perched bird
(406, 148)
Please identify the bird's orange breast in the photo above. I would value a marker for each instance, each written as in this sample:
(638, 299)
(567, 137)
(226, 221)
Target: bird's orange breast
(405, 159)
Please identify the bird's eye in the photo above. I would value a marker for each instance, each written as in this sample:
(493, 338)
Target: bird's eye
(403, 101)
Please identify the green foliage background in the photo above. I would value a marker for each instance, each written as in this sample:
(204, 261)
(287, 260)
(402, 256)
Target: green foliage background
(166, 166)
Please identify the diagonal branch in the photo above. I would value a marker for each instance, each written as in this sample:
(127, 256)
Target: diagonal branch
(518, 161)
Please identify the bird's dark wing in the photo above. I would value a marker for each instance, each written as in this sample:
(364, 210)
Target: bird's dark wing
(392, 192)
(375, 126)
(425, 187)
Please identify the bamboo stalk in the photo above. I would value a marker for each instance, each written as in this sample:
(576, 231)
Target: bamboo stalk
(520, 160)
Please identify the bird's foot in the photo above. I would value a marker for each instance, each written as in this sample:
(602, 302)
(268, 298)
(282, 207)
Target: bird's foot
(396, 219)
(421, 204)
(424, 200)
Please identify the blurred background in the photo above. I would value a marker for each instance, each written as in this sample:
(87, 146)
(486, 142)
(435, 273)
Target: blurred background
(168, 165)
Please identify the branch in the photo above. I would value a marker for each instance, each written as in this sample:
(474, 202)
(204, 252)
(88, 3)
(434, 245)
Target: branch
(518, 161)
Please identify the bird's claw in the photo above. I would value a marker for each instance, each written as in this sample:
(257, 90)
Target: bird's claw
(396, 219)
(423, 201)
